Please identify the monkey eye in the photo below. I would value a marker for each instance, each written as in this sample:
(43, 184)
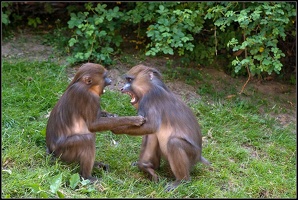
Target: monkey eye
(129, 79)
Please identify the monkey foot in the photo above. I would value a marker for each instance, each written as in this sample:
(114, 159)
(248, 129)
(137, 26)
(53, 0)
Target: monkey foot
(171, 186)
(101, 165)
(92, 179)
(134, 164)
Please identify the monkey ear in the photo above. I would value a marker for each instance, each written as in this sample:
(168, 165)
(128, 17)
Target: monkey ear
(151, 76)
(87, 79)
(155, 73)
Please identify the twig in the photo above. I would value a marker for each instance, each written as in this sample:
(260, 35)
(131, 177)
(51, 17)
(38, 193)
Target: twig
(249, 77)
(215, 41)
(247, 68)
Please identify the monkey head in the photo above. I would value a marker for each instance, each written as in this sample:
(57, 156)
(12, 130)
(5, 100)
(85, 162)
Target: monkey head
(139, 81)
(93, 76)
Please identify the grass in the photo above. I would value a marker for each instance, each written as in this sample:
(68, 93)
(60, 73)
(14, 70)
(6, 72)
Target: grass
(252, 155)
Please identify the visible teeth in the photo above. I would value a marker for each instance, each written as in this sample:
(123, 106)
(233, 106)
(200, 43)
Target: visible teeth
(131, 96)
(133, 100)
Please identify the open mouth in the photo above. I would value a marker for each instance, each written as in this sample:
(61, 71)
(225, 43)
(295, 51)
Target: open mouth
(133, 99)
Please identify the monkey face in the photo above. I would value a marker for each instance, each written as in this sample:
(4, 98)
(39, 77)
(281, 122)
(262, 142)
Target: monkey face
(94, 76)
(103, 82)
(139, 82)
(127, 89)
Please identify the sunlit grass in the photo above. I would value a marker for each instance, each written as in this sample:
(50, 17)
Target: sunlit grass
(252, 155)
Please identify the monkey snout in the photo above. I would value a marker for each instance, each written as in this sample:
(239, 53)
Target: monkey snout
(108, 81)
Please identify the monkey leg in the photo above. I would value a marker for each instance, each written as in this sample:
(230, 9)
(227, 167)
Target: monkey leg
(150, 156)
(78, 148)
(181, 157)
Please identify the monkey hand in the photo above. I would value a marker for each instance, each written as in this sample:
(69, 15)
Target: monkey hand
(140, 120)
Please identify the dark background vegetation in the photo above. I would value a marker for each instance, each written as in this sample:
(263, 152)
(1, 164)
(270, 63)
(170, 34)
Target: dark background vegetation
(191, 33)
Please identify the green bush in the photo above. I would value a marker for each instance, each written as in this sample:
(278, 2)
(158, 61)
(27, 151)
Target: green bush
(262, 25)
(94, 33)
(247, 34)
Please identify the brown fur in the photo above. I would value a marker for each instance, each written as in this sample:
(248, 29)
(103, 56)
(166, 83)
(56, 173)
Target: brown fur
(70, 133)
(171, 129)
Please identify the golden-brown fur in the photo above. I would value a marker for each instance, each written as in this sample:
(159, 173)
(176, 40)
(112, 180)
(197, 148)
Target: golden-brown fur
(70, 133)
(171, 129)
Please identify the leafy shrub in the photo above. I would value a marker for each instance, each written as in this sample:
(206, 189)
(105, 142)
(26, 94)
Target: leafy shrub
(95, 33)
(248, 35)
(262, 25)
(5, 13)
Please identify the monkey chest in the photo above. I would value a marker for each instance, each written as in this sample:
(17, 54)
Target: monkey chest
(79, 126)
(163, 135)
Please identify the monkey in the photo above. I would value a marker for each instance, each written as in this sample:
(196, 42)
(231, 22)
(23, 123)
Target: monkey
(77, 116)
(171, 130)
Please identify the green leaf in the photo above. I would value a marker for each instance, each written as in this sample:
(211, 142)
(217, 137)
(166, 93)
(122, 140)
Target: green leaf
(55, 183)
(38, 20)
(150, 33)
(74, 180)
(98, 20)
(256, 15)
(87, 55)
(189, 46)
(43, 194)
(266, 62)
(85, 182)
(72, 41)
(230, 13)
(235, 62)
(185, 39)
(74, 20)
(116, 9)
(89, 32)
(5, 19)
(209, 15)
(34, 187)
(161, 7)
(232, 42)
(60, 194)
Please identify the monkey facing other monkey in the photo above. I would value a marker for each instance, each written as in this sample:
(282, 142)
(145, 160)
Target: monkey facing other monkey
(71, 127)
(171, 130)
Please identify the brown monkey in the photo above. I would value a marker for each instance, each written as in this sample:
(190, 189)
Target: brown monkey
(171, 129)
(70, 132)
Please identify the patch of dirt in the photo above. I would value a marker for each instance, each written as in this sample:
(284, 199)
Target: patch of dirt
(279, 95)
(276, 95)
(30, 47)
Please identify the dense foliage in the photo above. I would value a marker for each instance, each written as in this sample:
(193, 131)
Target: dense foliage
(247, 35)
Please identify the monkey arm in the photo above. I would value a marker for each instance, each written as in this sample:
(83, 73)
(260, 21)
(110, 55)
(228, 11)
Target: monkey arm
(151, 125)
(145, 129)
(108, 123)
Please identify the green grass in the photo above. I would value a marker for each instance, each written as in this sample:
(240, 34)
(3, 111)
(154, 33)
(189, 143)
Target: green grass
(252, 155)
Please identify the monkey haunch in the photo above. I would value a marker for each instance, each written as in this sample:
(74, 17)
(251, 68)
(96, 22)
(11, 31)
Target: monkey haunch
(70, 133)
(171, 129)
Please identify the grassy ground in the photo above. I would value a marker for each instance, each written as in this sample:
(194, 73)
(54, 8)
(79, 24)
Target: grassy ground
(253, 156)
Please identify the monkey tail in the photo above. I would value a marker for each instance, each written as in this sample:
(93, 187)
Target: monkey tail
(204, 161)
